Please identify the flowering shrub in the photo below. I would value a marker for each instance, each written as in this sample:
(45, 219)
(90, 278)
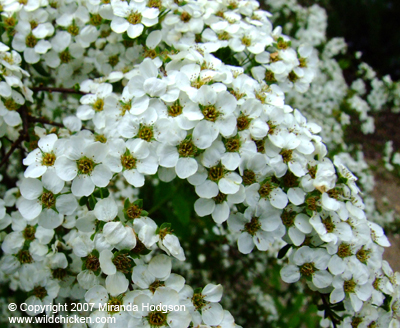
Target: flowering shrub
(117, 116)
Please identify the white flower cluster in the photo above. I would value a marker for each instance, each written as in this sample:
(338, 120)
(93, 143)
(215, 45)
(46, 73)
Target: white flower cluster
(187, 89)
(332, 103)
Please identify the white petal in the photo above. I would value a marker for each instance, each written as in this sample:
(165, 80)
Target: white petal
(204, 206)
(82, 186)
(114, 232)
(106, 209)
(50, 219)
(117, 284)
(160, 266)
(221, 213)
(134, 178)
(97, 294)
(213, 314)
(186, 167)
(278, 198)
(322, 279)
(207, 189)
(245, 243)
(31, 188)
(290, 274)
(296, 196)
(204, 134)
(106, 264)
(101, 175)
(29, 209)
(66, 169)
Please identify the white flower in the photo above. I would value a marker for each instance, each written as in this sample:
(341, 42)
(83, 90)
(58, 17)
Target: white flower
(264, 192)
(31, 41)
(204, 305)
(133, 159)
(99, 296)
(180, 156)
(97, 106)
(217, 109)
(106, 209)
(310, 263)
(132, 17)
(9, 104)
(83, 166)
(41, 200)
(34, 279)
(219, 206)
(330, 228)
(41, 161)
(115, 266)
(258, 227)
(352, 284)
(157, 274)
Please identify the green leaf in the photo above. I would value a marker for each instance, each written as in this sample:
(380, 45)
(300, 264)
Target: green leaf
(338, 307)
(39, 68)
(344, 63)
(283, 251)
(105, 192)
(92, 202)
(83, 201)
(182, 206)
(165, 225)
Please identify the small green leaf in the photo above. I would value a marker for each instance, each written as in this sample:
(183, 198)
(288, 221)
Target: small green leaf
(283, 251)
(165, 225)
(92, 202)
(83, 201)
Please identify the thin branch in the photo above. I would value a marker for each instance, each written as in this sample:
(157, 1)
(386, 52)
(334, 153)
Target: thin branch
(14, 146)
(44, 121)
(62, 90)
(23, 135)
(23, 111)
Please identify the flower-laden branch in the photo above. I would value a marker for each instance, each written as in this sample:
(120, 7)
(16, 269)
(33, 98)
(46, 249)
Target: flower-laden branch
(44, 121)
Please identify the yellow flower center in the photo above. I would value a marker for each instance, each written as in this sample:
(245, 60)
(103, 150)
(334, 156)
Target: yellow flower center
(48, 159)
(48, 200)
(85, 166)
(98, 105)
(128, 162)
(134, 18)
(157, 319)
(253, 226)
(30, 41)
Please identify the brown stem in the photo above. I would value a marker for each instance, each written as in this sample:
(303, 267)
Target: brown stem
(44, 121)
(14, 146)
(62, 90)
